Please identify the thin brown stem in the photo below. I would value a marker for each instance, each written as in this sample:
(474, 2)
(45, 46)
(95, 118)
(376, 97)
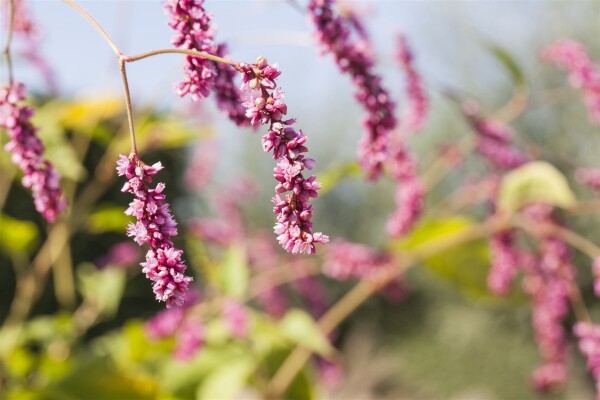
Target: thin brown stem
(560, 232)
(364, 289)
(443, 165)
(128, 105)
(181, 51)
(95, 24)
(515, 106)
(9, 36)
(585, 207)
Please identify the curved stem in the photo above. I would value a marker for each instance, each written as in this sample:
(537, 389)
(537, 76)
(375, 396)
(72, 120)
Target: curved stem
(364, 289)
(181, 51)
(562, 233)
(9, 35)
(128, 105)
(95, 24)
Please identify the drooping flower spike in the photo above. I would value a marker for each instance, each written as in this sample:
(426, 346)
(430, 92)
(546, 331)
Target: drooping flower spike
(583, 72)
(495, 139)
(415, 112)
(588, 335)
(353, 55)
(589, 177)
(154, 225)
(28, 153)
(403, 167)
(265, 105)
(192, 23)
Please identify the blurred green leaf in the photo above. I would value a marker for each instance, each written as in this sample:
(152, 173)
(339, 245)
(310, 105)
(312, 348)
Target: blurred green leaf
(103, 288)
(107, 218)
(20, 362)
(84, 115)
(48, 328)
(508, 62)
(228, 380)
(234, 273)
(98, 379)
(168, 132)
(299, 327)
(58, 147)
(533, 182)
(466, 266)
(332, 177)
(17, 236)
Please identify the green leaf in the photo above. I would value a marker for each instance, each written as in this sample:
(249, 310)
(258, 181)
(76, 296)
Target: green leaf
(508, 62)
(228, 380)
(300, 328)
(330, 178)
(466, 266)
(534, 182)
(17, 236)
(168, 133)
(107, 218)
(98, 379)
(234, 272)
(58, 147)
(85, 114)
(104, 287)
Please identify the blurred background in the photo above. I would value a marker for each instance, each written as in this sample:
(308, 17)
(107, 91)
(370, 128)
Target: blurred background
(447, 337)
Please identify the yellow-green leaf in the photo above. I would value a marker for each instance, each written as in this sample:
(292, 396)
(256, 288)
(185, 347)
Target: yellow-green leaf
(228, 380)
(466, 266)
(534, 182)
(300, 328)
(17, 235)
(234, 273)
(107, 218)
(330, 178)
(104, 287)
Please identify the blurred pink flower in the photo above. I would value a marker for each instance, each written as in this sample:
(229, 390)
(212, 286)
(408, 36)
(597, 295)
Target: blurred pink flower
(583, 72)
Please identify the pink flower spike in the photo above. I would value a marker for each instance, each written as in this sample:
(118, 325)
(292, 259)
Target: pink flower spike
(353, 55)
(155, 225)
(265, 104)
(573, 57)
(28, 153)
(415, 112)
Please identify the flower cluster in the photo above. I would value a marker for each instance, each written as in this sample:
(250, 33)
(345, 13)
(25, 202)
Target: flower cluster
(236, 317)
(504, 265)
(588, 335)
(265, 105)
(495, 140)
(155, 225)
(409, 206)
(583, 72)
(22, 22)
(310, 288)
(596, 272)
(589, 177)
(228, 226)
(28, 153)
(123, 255)
(353, 56)
(549, 282)
(227, 93)
(410, 190)
(192, 24)
(178, 322)
(262, 258)
(417, 108)
(346, 260)
(202, 165)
